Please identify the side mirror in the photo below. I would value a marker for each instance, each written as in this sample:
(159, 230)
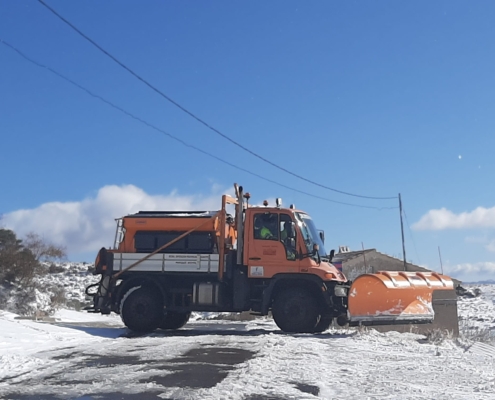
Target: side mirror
(322, 236)
(316, 252)
(315, 249)
(292, 230)
(332, 253)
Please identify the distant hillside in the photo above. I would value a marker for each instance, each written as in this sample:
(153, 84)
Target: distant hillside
(487, 282)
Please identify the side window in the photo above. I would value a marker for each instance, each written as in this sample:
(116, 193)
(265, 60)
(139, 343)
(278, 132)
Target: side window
(285, 221)
(287, 236)
(266, 226)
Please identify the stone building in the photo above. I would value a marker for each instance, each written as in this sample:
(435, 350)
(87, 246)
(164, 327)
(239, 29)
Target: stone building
(368, 261)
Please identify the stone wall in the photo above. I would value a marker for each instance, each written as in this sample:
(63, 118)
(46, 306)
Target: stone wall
(375, 262)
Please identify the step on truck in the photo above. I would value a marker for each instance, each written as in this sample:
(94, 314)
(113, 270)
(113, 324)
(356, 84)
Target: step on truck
(166, 264)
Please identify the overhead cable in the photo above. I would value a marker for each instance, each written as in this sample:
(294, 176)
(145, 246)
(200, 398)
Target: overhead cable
(200, 120)
(23, 55)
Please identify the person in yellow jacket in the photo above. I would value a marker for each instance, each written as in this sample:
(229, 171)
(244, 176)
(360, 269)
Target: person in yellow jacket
(285, 239)
(284, 234)
(261, 228)
(266, 233)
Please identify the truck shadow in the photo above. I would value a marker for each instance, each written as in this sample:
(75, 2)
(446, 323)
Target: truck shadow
(94, 329)
(203, 329)
(246, 333)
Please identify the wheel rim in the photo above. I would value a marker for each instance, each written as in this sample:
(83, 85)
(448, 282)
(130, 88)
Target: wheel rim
(141, 312)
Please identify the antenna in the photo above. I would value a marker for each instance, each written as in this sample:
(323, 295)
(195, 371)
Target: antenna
(402, 231)
(440, 256)
(364, 257)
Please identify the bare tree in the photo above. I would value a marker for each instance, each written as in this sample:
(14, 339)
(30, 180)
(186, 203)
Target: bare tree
(20, 260)
(43, 250)
(20, 264)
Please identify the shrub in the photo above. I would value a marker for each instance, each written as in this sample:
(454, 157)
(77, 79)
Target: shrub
(438, 336)
(55, 269)
(17, 263)
(41, 249)
(475, 333)
(57, 298)
(20, 264)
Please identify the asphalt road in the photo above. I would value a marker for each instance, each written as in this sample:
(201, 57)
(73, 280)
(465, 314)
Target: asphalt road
(202, 366)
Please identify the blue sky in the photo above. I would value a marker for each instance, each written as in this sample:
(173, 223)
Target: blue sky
(369, 97)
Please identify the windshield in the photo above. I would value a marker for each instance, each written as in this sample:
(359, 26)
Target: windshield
(310, 233)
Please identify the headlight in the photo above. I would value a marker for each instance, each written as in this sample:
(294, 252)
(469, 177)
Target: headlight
(340, 291)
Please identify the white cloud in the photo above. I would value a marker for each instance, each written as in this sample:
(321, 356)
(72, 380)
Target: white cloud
(490, 246)
(89, 224)
(471, 272)
(487, 242)
(445, 219)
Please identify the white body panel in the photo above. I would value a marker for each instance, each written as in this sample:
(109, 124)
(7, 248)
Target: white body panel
(167, 262)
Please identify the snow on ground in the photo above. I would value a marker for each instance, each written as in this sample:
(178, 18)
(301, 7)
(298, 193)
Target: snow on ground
(77, 355)
(73, 278)
(479, 312)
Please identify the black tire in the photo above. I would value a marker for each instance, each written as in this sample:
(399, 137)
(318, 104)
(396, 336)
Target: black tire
(141, 309)
(174, 320)
(295, 310)
(323, 324)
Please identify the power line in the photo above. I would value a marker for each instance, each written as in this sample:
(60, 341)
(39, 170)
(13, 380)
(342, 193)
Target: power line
(23, 55)
(191, 114)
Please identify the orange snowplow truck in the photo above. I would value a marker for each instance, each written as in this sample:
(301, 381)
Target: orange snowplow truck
(164, 265)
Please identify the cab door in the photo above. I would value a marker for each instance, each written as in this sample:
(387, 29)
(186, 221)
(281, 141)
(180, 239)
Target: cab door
(268, 253)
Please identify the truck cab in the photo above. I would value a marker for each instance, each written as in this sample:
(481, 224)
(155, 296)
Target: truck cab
(294, 245)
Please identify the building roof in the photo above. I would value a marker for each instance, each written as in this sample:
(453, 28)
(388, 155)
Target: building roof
(350, 255)
(343, 257)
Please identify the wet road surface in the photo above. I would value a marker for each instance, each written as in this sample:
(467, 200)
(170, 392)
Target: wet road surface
(200, 367)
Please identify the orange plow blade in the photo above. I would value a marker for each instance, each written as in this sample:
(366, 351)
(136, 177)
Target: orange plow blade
(390, 297)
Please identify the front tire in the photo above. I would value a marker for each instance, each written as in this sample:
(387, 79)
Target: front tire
(323, 324)
(141, 309)
(174, 320)
(295, 310)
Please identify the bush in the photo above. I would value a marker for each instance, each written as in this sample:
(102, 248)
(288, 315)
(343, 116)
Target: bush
(20, 264)
(475, 333)
(438, 336)
(17, 263)
(41, 249)
(55, 269)
(58, 297)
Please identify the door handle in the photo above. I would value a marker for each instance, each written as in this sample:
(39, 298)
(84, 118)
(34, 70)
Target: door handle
(255, 258)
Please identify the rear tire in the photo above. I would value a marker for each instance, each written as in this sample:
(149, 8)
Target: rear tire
(141, 309)
(295, 310)
(323, 324)
(174, 320)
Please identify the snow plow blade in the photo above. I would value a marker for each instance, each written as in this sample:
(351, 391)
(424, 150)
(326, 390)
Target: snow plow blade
(389, 297)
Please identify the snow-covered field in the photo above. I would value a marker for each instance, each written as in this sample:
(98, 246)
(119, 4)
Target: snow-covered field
(86, 356)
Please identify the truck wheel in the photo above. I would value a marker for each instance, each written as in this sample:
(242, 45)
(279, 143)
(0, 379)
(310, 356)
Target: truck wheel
(141, 309)
(174, 320)
(323, 324)
(295, 310)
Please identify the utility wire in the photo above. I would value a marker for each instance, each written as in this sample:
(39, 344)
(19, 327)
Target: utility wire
(175, 137)
(191, 114)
